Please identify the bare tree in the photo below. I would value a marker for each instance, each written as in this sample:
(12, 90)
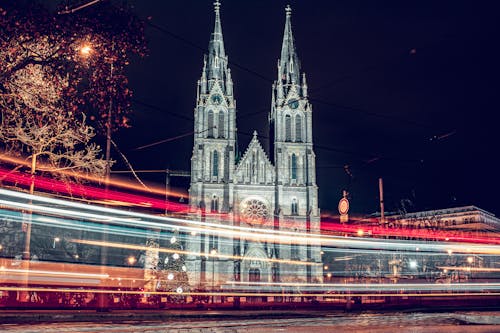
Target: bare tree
(34, 122)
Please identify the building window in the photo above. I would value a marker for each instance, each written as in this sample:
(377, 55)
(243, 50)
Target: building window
(288, 128)
(214, 205)
(210, 122)
(293, 167)
(295, 207)
(221, 128)
(213, 242)
(215, 164)
(298, 128)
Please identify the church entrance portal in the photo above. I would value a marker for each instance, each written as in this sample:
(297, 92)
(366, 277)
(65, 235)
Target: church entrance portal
(254, 275)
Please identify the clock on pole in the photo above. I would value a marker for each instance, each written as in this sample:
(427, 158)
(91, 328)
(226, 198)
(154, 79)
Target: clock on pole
(344, 208)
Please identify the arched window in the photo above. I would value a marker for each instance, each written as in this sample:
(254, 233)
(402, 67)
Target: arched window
(288, 128)
(210, 124)
(222, 128)
(293, 167)
(215, 164)
(214, 205)
(298, 128)
(295, 207)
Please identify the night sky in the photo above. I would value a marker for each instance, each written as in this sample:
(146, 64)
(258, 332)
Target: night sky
(404, 90)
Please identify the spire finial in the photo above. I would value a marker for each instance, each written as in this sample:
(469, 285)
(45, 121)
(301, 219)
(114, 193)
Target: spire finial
(288, 10)
(217, 6)
(255, 134)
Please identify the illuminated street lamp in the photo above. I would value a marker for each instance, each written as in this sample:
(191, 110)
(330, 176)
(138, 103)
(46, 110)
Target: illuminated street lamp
(131, 260)
(85, 50)
(56, 240)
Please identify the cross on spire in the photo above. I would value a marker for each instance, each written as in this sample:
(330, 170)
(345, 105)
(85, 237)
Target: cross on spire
(288, 10)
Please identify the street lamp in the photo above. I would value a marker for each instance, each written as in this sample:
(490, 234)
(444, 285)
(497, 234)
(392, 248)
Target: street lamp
(213, 252)
(56, 240)
(131, 260)
(86, 51)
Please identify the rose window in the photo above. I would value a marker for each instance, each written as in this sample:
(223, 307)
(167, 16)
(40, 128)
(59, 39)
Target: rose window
(254, 211)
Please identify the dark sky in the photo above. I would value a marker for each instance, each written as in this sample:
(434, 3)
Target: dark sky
(385, 77)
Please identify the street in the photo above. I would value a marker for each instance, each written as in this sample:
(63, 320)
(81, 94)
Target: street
(327, 322)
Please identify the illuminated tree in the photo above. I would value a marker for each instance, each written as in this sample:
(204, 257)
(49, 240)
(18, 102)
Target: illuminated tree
(173, 273)
(58, 68)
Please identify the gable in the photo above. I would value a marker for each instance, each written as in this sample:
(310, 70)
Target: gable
(254, 167)
(216, 96)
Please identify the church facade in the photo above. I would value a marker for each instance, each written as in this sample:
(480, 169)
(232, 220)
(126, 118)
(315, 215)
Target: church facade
(257, 191)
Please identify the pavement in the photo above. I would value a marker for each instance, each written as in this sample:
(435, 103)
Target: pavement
(148, 321)
(40, 316)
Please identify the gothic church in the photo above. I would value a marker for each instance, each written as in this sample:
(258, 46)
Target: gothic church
(277, 192)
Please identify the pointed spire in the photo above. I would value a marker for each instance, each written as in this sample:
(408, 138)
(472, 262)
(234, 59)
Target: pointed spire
(216, 53)
(229, 83)
(304, 85)
(289, 62)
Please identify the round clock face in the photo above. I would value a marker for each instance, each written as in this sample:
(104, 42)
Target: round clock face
(343, 206)
(216, 99)
(294, 103)
(254, 211)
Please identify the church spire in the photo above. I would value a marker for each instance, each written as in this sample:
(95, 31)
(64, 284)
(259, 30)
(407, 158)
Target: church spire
(217, 60)
(289, 66)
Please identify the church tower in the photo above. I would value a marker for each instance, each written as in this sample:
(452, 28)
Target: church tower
(212, 162)
(213, 159)
(296, 192)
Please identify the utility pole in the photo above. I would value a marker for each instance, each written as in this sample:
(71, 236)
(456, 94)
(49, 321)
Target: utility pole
(24, 295)
(381, 193)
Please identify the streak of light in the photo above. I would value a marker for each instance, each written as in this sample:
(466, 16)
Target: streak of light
(274, 236)
(389, 252)
(409, 233)
(110, 197)
(243, 294)
(12, 175)
(199, 254)
(52, 273)
(343, 258)
(469, 269)
(121, 199)
(368, 286)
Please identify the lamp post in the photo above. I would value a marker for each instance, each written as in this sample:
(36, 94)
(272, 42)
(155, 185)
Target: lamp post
(27, 237)
(86, 50)
(213, 252)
